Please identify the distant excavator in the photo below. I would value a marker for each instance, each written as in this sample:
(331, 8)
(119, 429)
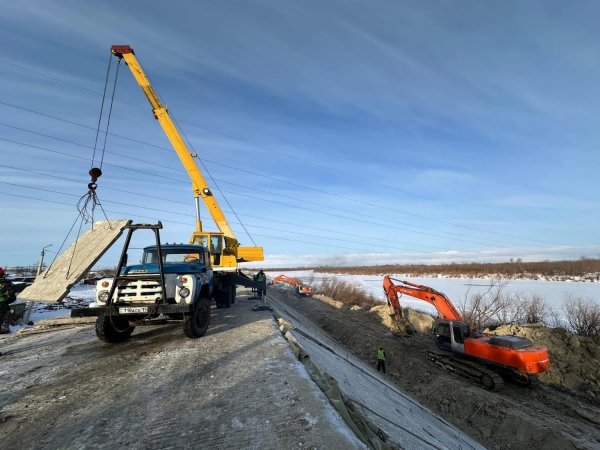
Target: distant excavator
(479, 358)
(302, 290)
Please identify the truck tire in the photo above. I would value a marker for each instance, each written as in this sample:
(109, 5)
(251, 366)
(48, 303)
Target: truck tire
(196, 323)
(223, 298)
(113, 331)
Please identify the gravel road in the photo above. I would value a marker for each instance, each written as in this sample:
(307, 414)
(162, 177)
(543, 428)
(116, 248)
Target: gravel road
(238, 387)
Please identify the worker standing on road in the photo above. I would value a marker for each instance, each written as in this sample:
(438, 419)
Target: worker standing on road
(7, 296)
(381, 359)
(261, 278)
(254, 279)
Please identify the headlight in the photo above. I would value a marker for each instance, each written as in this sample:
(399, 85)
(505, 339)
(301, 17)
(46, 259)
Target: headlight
(103, 296)
(184, 292)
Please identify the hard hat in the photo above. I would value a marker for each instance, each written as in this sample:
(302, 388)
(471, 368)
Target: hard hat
(381, 348)
(1, 271)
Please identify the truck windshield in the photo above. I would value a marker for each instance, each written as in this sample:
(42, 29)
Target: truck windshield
(172, 256)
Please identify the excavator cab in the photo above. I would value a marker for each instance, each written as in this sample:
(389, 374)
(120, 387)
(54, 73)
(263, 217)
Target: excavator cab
(450, 335)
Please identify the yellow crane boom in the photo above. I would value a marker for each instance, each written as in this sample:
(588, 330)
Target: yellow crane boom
(226, 254)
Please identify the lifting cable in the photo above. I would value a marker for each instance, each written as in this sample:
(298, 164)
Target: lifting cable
(85, 214)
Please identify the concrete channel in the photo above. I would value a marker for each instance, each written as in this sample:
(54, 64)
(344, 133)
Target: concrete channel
(405, 420)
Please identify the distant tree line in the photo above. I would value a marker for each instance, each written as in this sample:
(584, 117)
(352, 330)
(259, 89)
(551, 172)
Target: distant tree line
(512, 268)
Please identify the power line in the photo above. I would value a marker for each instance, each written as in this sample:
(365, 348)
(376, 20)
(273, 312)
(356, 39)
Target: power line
(81, 125)
(245, 215)
(294, 206)
(270, 201)
(103, 187)
(185, 223)
(235, 193)
(265, 236)
(276, 202)
(387, 208)
(188, 215)
(229, 136)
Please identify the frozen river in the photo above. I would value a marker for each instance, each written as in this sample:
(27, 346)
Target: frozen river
(456, 288)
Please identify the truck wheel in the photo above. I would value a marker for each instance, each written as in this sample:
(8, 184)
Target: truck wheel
(223, 299)
(115, 331)
(196, 323)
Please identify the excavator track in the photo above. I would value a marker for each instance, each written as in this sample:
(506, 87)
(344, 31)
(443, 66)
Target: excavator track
(468, 370)
(530, 380)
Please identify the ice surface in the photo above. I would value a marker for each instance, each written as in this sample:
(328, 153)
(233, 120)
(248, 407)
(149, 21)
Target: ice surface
(457, 288)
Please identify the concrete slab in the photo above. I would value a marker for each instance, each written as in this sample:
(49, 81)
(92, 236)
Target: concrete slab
(68, 269)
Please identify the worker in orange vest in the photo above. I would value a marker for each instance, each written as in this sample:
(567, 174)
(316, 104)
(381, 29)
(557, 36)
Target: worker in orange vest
(381, 359)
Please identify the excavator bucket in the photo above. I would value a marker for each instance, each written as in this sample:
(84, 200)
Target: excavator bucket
(403, 328)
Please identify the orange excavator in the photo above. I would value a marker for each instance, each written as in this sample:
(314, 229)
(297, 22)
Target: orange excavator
(474, 356)
(302, 290)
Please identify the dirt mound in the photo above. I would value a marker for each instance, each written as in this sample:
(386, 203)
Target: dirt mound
(421, 322)
(574, 360)
(382, 314)
(329, 300)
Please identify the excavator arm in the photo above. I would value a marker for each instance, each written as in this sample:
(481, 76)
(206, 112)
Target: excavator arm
(439, 300)
(286, 279)
(199, 184)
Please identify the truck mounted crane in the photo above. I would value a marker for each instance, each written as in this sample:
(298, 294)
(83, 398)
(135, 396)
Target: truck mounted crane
(302, 290)
(473, 356)
(226, 252)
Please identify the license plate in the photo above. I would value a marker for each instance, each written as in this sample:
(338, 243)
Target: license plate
(136, 310)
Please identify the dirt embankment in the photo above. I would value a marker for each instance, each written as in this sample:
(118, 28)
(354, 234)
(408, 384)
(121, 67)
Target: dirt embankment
(574, 360)
(515, 418)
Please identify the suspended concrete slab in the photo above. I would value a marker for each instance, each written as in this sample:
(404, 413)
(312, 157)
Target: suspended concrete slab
(68, 269)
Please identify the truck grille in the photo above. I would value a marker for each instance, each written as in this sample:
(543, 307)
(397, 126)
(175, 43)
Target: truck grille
(139, 290)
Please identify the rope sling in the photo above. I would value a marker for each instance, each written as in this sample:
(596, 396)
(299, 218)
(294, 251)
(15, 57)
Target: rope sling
(87, 203)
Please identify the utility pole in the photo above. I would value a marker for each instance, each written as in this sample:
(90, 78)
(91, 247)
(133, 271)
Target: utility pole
(39, 270)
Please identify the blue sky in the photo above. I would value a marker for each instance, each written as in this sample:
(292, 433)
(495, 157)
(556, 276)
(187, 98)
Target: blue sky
(414, 132)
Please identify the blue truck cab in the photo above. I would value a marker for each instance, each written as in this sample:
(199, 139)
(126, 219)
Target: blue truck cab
(171, 283)
(188, 277)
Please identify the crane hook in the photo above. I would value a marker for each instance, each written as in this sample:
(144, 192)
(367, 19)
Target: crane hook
(95, 173)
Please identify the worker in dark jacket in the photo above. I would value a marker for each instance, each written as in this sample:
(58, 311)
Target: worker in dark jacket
(261, 278)
(381, 359)
(7, 296)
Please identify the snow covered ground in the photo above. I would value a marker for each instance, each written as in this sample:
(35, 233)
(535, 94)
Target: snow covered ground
(456, 288)
(80, 296)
